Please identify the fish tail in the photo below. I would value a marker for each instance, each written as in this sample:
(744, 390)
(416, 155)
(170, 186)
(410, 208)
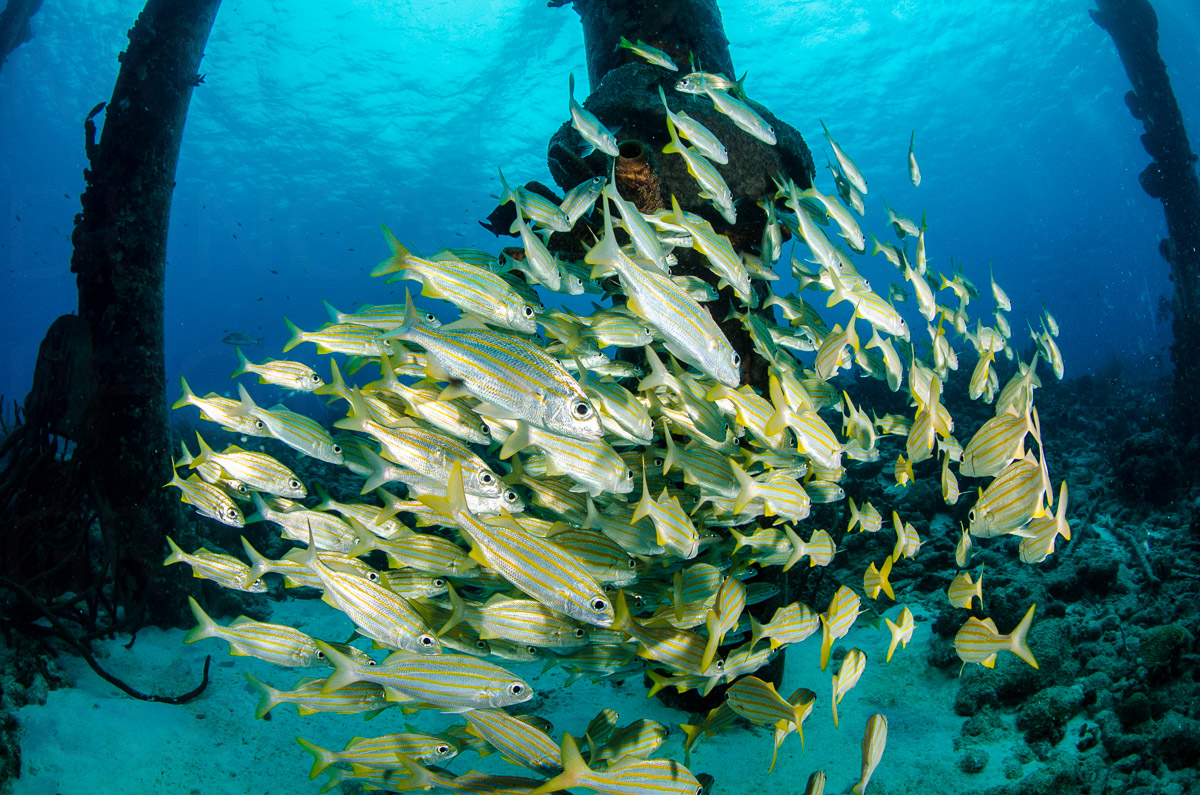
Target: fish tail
(206, 627)
(204, 454)
(747, 490)
(1019, 645)
(258, 561)
(517, 440)
(357, 418)
(643, 507)
(1060, 516)
(260, 509)
(296, 338)
(895, 630)
(884, 573)
(399, 259)
(826, 643)
(855, 516)
(243, 363)
(344, 673)
(331, 310)
(187, 397)
(177, 555)
(669, 460)
(833, 700)
(411, 320)
(379, 472)
(455, 500)
(692, 734)
(574, 768)
(675, 146)
(756, 631)
(321, 757)
(269, 697)
(660, 681)
(780, 419)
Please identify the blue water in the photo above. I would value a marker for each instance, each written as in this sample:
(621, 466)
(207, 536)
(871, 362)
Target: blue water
(319, 121)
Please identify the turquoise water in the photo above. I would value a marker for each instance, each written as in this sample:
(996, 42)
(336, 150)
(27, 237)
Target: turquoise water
(317, 122)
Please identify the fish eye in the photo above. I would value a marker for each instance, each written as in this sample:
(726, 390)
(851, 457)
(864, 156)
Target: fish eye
(487, 478)
(373, 576)
(527, 310)
(516, 689)
(482, 645)
(629, 473)
(632, 563)
(484, 429)
(578, 632)
(316, 379)
(320, 654)
(231, 512)
(426, 641)
(719, 665)
(443, 750)
(258, 425)
(372, 662)
(658, 461)
(438, 582)
(599, 605)
(510, 496)
(337, 449)
(737, 360)
(582, 410)
(971, 516)
(293, 484)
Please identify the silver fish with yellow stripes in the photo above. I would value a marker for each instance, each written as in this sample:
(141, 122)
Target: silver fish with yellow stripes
(209, 500)
(275, 643)
(255, 470)
(741, 114)
(295, 430)
(629, 777)
(377, 612)
(873, 742)
(702, 138)
(450, 682)
(225, 570)
(534, 565)
(590, 128)
(348, 338)
(688, 330)
(719, 252)
(516, 740)
(472, 289)
(979, 641)
(902, 630)
(380, 752)
(712, 185)
(853, 665)
(514, 378)
(280, 372)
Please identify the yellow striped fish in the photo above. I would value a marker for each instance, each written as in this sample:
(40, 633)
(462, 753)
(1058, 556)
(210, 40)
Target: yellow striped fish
(902, 631)
(712, 184)
(590, 128)
(295, 430)
(962, 590)
(758, 702)
(309, 698)
(979, 641)
(635, 777)
(380, 752)
(225, 570)
(514, 378)
(1012, 499)
(280, 372)
(997, 443)
(450, 682)
(275, 643)
(474, 290)
(209, 500)
(347, 338)
(515, 739)
(533, 565)
(837, 620)
(790, 624)
(874, 740)
(702, 138)
(853, 665)
(876, 579)
(1044, 531)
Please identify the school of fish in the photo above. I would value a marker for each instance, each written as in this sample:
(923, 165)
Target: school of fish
(600, 492)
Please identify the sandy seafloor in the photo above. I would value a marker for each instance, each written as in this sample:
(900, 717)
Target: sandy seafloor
(92, 739)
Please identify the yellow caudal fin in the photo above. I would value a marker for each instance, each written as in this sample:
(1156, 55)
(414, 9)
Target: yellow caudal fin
(884, 573)
(345, 672)
(205, 626)
(895, 630)
(269, 697)
(643, 507)
(177, 555)
(399, 257)
(834, 701)
(321, 757)
(1019, 646)
(574, 768)
(826, 643)
(747, 488)
(187, 396)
